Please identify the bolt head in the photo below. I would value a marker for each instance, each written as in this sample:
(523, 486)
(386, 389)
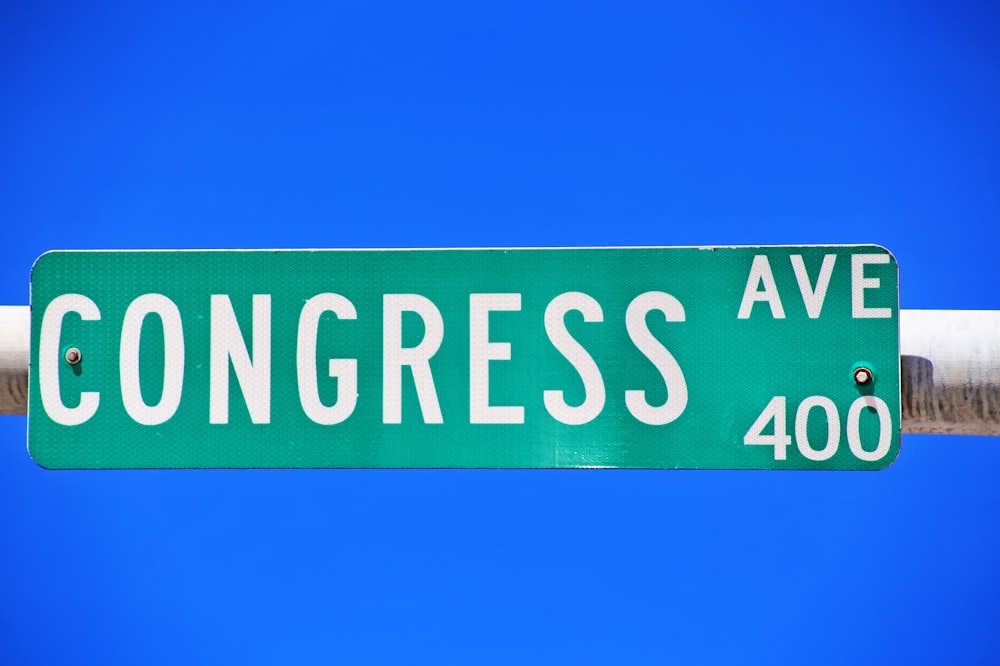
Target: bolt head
(73, 356)
(862, 376)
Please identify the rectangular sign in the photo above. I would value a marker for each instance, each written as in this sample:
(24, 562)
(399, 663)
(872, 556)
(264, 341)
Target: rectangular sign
(718, 358)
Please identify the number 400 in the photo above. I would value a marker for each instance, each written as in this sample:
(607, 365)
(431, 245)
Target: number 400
(780, 439)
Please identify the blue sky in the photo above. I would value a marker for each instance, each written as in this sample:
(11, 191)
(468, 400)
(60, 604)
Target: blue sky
(521, 124)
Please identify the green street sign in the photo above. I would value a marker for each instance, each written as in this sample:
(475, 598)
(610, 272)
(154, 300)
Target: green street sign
(717, 358)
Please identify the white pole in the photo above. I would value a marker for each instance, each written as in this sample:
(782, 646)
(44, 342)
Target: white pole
(950, 369)
(15, 334)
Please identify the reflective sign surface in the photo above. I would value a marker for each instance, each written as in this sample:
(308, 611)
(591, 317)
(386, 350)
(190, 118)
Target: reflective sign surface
(742, 358)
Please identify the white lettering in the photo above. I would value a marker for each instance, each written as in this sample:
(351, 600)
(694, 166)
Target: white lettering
(395, 356)
(884, 427)
(593, 383)
(673, 378)
(832, 428)
(49, 358)
(859, 283)
(482, 351)
(760, 273)
(227, 344)
(344, 370)
(173, 359)
(813, 298)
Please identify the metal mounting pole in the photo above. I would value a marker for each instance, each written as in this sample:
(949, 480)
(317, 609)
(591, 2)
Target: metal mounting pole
(950, 365)
(15, 334)
(950, 369)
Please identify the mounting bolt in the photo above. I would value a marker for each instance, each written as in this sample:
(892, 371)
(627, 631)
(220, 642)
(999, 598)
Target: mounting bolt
(862, 376)
(73, 356)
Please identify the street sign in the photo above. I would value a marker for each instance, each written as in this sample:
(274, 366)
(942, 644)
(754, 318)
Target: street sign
(719, 358)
